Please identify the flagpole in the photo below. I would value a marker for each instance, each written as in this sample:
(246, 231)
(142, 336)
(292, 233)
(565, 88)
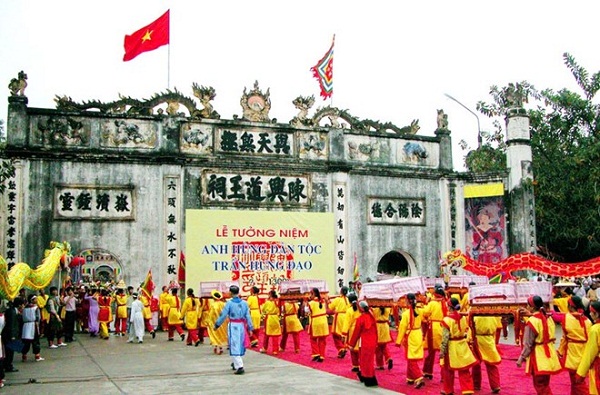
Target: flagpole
(331, 97)
(169, 54)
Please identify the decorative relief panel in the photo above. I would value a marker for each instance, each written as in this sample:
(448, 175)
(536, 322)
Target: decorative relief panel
(61, 130)
(417, 153)
(313, 145)
(196, 138)
(367, 149)
(129, 133)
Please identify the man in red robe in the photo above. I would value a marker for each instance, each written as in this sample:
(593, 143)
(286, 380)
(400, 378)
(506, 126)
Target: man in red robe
(366, 330)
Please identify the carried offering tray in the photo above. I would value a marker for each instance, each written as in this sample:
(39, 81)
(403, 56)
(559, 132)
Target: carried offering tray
(206, 288)
(393, 289)
(300, 289)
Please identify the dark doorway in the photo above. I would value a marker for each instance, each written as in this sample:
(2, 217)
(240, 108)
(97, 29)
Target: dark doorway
(394, 263)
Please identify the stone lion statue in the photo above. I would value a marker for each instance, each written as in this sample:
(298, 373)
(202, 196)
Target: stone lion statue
(17, 85)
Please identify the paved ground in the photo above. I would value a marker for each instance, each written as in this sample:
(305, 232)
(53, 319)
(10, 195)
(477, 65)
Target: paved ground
(94, 366)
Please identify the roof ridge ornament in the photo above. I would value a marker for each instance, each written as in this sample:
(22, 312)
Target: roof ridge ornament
(129, 106)
(255, 105)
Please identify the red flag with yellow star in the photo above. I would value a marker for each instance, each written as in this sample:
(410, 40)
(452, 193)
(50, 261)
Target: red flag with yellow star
(148, 38)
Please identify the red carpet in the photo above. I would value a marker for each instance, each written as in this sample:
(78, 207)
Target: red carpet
(514, 380)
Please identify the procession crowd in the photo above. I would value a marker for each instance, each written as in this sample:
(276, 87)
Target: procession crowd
(429, 330)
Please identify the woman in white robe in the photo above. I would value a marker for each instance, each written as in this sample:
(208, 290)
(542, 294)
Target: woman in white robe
(136, 327)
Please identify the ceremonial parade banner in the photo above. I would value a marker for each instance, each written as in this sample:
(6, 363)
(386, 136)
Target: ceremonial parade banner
(259, 248)
(485, 223)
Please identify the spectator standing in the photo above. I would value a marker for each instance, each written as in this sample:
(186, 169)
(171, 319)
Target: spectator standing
(93, 326)
(55, 325)
(11, 334)
(128, 306)
(30, 333)
(592, 293)
(70, 302)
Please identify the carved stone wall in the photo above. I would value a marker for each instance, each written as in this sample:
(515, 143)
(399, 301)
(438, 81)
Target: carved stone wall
(115, 171)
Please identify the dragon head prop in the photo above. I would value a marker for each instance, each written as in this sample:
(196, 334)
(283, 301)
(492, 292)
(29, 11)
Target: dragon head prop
(453, 260)
(61, 248)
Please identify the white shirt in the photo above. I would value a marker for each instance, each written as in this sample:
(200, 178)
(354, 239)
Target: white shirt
(70, 303)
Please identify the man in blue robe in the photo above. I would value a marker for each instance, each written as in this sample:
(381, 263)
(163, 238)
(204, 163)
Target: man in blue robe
(238, 313)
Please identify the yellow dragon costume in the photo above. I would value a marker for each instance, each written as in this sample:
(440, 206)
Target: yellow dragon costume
(21, 275)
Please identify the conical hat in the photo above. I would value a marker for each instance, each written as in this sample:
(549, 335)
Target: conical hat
(121, 284)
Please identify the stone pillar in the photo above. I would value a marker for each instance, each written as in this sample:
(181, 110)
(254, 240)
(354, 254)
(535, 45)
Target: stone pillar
(445, 148)
(17, 123)
(522, 233)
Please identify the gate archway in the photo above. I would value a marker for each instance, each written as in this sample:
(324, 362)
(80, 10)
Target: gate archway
(100, 265)
(397, 263)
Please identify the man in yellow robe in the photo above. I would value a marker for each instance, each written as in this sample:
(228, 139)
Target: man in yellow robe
(590, 359)
(410, 336)
(434, 312)
(217, 336)
(382, 354)
(254, 305)
(484, 346)
(121, 313)
(538, 347)
(352, 315)
(575, 328)
(41, 301)
(164, 307)
(455, 353)
(271, 311)
(189, 313)
(318, 328)
(337, 307)
(204, 312)
(175, 321)
(291, 326)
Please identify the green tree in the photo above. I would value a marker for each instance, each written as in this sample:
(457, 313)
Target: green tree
(565, 142)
